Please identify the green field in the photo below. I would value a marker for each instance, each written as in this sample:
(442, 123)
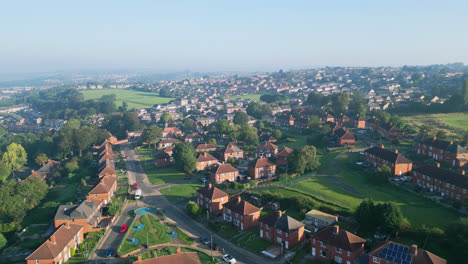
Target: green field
(458, 121)
(181, 191)
(159, 176)
(134, 99)
(251, 96)
(454, 124)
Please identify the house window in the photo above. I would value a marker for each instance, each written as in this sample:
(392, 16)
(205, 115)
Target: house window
(375, 259)
(323, 253)
(267, 227)
(338, 259)
(279, 232)
(322, 244)
(349, 253)
(267, 235)
(339, 250)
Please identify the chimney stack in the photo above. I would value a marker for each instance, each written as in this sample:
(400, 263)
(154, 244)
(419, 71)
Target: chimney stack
(438, 164)
(238, 198)
(52, 239)
(451, 142)
(434, 138)
(396, 151)
(336, 229)
(279, 213)
(382, 146)
(210, 185)
(463, 172)
(178, 250)
(413, 250)
(67, 224)
(140, 258)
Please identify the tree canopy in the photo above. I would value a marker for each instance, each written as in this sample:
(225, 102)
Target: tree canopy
(152, 134)
(15, 157)
(184, 157)
(304, 159)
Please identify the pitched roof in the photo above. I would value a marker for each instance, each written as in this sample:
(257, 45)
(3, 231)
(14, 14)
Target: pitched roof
(285, 152)
(232, 148)
(162, 155)
(104, 186)
(267, 145)
(63, 236)
(75, 211)
(205, 146)
(205, 157)
(344, 134)
(282, 222)
(387, 155)
(390, 127)
(321, 215)
(179, 258)
(241, 207)
(343, 239)
(421, 257)
(169, 140)
(224, 168)
(212, 193)
(449, 176)
(262, 162)
(107, 170)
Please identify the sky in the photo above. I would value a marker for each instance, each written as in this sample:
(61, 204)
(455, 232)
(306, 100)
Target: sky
(255, 35)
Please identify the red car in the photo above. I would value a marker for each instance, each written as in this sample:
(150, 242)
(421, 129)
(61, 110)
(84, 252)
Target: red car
(135, 185)
(123, 228)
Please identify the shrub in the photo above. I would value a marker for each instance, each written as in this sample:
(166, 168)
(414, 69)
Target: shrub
(192, 209)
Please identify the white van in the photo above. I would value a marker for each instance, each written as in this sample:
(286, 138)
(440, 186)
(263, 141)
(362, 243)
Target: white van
(138, 194)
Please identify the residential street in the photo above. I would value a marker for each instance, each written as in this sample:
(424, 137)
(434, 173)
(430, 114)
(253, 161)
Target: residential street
(152, 197)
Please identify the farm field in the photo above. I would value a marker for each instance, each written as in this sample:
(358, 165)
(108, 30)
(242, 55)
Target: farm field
(134, 99)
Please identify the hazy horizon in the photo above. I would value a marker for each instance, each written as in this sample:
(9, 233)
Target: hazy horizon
(214, 36)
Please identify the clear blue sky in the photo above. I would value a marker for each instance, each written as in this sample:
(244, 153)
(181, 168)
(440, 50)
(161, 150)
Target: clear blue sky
(218, 35)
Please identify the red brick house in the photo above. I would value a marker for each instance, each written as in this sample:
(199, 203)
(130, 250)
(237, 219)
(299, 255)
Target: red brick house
(282, 156)
(87, 214)
(388, 130)
(281, 229)
(211, 198)
(177, 258)
(445, 151)
(107, 170)
(206, 161)
(241, 214)
(164, 143)
(359, 122)
(162, 159)
(373, 124)
(224, 172)
(396, 253)
(345, 120)
(449, 184)
(285, 120)
(205, 147)
(377, 156)
(171, 131)
(328, 118)
(104, 190)
(57, 249)
(262, 167)
(335, 244)
(193, 138)
(266, 149)
(47, 171)
(334, 126)
(232, 151)
(344, 137)
(169, 150)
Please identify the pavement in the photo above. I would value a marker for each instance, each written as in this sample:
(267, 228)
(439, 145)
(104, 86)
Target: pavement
(151, 196)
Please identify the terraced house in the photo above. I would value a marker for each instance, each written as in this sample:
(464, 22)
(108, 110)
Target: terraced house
(232, 151)
(377, 156)
(206, 161)
(57, 249)
(396, 253)
(449, 184)
(223, 172)
(211, 198)
(262, 167)
(444, 151)
(266, 150)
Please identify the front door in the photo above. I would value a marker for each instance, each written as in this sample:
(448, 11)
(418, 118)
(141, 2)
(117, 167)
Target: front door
(261, 233)
(287, 245)
(313, 251)
(242, 226)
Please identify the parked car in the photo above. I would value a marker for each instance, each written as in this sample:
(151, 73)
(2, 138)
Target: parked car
(359, 163)
(138, 194)
(123, 228)
(229, 259)
(135, 185)
(205, 240)
(214, 246)
(109, 252)
(204, 180)
(126, 157)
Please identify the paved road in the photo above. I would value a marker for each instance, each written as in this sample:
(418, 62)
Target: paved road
(153, 197)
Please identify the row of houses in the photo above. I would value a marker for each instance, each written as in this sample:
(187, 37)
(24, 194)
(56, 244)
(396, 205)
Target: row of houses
(75, 220)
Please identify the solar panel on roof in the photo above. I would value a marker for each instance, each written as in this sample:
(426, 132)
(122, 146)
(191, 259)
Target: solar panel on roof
(385, 251)
(405, 250)
(390, 246)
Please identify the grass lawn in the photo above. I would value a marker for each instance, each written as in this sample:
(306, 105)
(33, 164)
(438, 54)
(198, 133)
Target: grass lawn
(181, 191)
(159, 176)
(251, 96)
(458, 121)
(417, 210)
(37, 229)
(134, 99)
(251, 240)
(454, 124)
(294, 141)
(153, 230)
(300, 254)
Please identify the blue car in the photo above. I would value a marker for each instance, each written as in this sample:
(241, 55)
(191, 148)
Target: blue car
(109, 252)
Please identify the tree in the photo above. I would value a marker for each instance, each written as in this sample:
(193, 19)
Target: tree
(390, 217)
(152, 134)
(166, 117)
(114, 208)
(212, 141)
(124, 106)
(15, 157)
(240, 118)
(4, 173)
(304, 159)
(340, 102)
(277, 134)
(358, 104)
(465, 90)
(313, 122)
(381, 175)
(184, 157)
(258, 110)
(364, 214)
(222, 126)
(164, 91)
(316, 99)
(249, 136)
(3, 242)
(41, 159)
(416, 77)
(187, 125)
(192, 209)
(425, 130)
(72, 165)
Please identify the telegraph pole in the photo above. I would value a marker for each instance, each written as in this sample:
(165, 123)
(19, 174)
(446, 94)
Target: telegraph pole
(211, 245)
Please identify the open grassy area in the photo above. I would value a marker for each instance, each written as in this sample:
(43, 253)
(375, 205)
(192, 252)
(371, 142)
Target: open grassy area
(36, 229)
(181, 191)
(417, 210)
(251, 96)
(153, 232)
(252, 241)
(458, 121)
(454, 124)
(159, 176)
(134, 99)
(292, 141)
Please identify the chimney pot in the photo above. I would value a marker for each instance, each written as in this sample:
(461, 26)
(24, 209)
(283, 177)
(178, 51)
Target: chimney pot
(238, 199)
(210, 185)
(279, 213)
(178, 250)
(67, 224)
(438, 164)
(336, 229)
(396, 151)
(382, 146)
(451, 142)
(413, 250)
(140, 258)
(52, 239)
(463, 172)
(434, 138)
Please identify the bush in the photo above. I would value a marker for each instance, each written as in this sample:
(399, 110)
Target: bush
(72, 252)
(193, 209)
(114, 208)
(3, 242)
